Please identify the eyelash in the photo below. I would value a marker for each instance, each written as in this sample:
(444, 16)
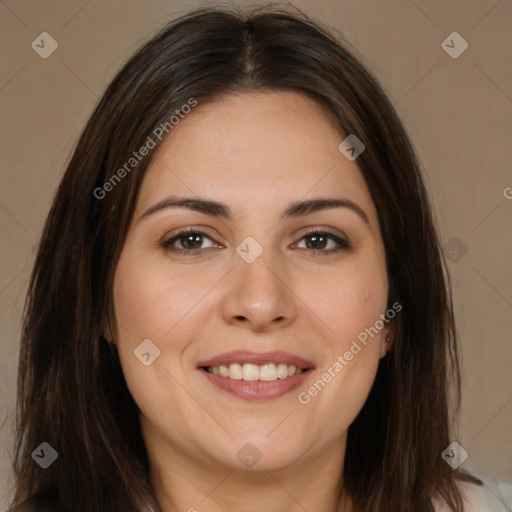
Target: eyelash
(342, 244)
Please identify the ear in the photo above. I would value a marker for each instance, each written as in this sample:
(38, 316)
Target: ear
(389, 337)
(107, 333)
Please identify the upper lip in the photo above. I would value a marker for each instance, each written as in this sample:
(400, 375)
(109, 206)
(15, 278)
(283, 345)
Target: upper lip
(259, 358)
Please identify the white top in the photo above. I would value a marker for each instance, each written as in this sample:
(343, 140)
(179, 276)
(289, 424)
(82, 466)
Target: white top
(477, 498)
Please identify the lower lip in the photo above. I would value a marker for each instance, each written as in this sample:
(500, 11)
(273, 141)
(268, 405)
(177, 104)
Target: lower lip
(256, 389)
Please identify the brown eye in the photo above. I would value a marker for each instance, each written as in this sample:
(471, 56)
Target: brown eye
(319, 241)
(189, 242)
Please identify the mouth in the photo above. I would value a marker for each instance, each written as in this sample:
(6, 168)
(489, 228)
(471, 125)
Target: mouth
(256, 376)
(252, 372)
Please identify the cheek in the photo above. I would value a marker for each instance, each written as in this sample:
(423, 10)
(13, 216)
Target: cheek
(150, 299)
(350, 302)
(154, 302)
(141, 301)
(351, 305)
(150, 305)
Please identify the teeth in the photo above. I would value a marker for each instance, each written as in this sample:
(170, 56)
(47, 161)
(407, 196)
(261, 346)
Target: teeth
(235, 371)
(252, 372)
(282, 371)
(268, 372)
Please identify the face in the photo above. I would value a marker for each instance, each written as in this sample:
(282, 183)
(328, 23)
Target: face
(262, 324)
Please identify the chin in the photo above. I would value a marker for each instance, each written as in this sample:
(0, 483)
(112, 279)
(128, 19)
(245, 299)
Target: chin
(258, 451)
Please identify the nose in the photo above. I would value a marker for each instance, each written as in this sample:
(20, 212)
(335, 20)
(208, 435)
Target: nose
(259, 295)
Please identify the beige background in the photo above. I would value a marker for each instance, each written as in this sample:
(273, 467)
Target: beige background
(457, 111)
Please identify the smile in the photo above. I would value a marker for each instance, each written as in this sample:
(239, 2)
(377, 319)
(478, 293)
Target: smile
(253, 372)
(254, 376)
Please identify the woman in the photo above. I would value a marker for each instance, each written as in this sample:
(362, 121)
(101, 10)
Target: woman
(239, 299)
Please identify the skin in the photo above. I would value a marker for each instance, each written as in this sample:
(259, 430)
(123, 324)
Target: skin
(256, 152)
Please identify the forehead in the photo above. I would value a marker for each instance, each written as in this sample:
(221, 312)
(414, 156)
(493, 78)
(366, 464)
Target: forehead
(257, 150)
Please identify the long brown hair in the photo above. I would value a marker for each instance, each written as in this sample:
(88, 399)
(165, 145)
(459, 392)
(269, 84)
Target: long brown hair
(71, 389)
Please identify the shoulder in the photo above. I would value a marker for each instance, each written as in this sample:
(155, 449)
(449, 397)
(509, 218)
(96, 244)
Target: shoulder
(477, 498)
(481, 498)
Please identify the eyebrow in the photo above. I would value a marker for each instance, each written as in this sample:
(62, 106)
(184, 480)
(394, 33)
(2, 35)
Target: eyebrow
(222, 210)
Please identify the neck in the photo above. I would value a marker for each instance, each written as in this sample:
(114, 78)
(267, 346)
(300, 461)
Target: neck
(311, 483)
